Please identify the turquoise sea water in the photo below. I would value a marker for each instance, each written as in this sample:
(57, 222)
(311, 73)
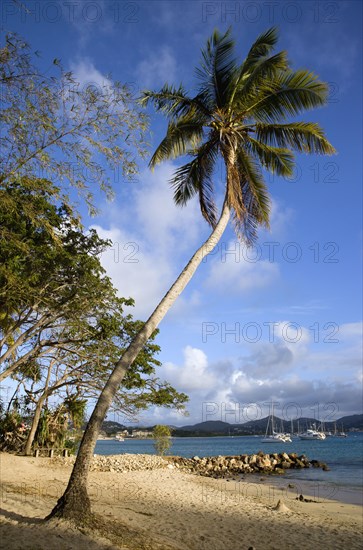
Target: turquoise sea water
(344, 456)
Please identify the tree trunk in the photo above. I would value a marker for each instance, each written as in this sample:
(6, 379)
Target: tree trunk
(35, 423)
(75, 503)
(37, 413)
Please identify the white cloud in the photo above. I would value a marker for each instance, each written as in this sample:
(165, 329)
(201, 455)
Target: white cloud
(169, 228)
(297, 376)
(194, 374)
(280, 219)
(157, 69)
(134, 270)
(152, 241)
(231, 269)
(348, 331)
(86, 74)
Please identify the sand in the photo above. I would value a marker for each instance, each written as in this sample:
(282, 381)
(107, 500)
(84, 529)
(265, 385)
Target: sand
(167, 509)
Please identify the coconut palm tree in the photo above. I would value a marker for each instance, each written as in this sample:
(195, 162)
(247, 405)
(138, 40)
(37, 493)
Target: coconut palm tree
(238, 114)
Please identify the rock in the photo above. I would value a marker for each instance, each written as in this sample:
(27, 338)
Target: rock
(217, 466)
(286, 457)
(264, 462)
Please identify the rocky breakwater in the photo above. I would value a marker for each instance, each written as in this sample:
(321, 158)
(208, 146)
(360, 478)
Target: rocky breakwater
(230, 466)
(119, 463)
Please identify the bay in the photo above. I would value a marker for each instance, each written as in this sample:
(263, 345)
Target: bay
(344, 481)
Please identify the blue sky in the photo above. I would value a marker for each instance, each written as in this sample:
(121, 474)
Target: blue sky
(280, 322)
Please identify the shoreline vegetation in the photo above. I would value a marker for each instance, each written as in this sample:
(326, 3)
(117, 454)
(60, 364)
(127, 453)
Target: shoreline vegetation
(144, 502)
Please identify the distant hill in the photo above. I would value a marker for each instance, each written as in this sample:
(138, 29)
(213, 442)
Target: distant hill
(253, 427)
(208, 426)
(110, 427)
(352, 421)
(216, 427)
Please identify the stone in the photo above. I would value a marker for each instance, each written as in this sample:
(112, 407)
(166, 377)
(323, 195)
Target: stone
(286, 457)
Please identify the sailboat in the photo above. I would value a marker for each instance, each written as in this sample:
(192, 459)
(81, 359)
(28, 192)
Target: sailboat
(340, 434)
(274, 437)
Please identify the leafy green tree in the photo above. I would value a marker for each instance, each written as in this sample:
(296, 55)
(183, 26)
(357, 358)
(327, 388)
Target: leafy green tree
(50, 274)
(63, 325)
(238, 114)
(55, 128)
(81, 367)
(162, 436)
(53, 425)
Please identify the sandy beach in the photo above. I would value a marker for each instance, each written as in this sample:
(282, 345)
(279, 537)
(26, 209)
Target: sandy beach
(165, 509)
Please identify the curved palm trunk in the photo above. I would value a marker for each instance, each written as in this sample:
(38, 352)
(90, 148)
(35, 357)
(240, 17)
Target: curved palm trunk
(75, 502)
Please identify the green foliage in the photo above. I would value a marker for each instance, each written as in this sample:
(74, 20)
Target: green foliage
(63, 326)
(52, 126)
(54, 425)
(237, 115)
(162, 436)
(76, 408)
(12, 431)
(50, 276)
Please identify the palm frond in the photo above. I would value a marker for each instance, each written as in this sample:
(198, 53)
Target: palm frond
(277, 160)
(254, 189)
(306, 137)
(217, 69)
(287, 94)
(179, 139)
(264, 70)
(196, 177)
(185, 182)
(174, 102)
(260, 48)
(236, 199)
